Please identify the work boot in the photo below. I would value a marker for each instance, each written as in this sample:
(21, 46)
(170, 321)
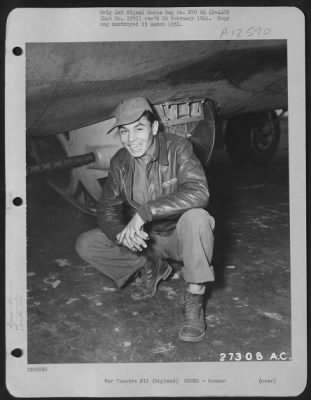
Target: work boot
(152, 273)
(193, 328)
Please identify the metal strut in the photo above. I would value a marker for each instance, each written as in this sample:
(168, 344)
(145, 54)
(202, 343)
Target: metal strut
(67, 163)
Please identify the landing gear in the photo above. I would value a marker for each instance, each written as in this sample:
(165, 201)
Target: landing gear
(253, 137)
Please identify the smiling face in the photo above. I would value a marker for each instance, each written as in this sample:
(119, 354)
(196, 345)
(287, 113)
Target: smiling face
(138, 136)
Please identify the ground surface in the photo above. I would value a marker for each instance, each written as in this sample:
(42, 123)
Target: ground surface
(76, 315)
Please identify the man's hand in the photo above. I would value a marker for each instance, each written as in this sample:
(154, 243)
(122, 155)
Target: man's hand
(133, 237)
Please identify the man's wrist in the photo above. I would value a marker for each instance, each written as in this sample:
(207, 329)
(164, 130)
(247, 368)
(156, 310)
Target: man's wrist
(144, 213)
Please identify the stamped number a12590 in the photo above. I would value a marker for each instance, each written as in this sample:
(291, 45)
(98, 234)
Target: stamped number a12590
(252, 31)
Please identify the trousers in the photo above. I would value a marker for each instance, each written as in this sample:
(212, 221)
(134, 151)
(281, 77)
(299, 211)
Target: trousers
(191, 243)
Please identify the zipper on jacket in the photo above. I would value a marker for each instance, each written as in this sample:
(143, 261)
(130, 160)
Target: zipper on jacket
(131, 202)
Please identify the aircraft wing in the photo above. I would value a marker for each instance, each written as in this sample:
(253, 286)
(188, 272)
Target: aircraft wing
(72, 85)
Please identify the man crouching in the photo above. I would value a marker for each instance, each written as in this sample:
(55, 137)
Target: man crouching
(152, 210)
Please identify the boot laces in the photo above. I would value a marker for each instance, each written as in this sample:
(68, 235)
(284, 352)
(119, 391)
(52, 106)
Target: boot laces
(147, 275)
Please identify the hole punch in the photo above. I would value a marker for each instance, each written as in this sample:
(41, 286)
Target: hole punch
(17, 51)
(17, 201)
(17, 353)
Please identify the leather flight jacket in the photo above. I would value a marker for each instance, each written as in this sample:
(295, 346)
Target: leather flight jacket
(178, 180)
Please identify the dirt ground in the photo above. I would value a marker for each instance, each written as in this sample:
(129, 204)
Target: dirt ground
(76, 315)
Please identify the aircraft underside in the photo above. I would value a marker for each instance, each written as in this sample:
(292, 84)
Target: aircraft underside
(210, 92)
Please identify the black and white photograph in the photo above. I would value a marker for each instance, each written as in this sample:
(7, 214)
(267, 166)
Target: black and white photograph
(204, 254)
(163, 215)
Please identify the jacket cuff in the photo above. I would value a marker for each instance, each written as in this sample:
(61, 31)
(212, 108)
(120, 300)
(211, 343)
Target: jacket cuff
(145, 213)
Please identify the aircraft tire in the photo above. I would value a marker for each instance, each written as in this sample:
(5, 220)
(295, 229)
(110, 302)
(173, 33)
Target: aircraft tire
(252, 138)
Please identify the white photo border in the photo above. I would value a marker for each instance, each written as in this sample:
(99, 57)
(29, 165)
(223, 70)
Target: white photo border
(81, 380)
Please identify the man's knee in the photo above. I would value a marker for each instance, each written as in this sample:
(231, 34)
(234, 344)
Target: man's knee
(197, 217)
(83, 243)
